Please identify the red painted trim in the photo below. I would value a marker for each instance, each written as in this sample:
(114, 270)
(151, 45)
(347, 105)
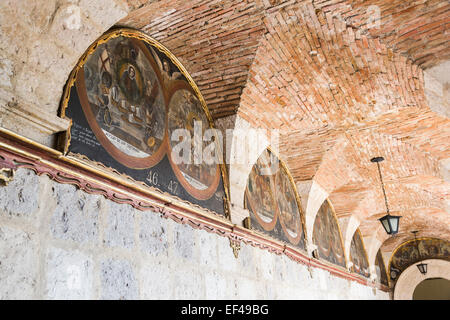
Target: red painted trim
(20, 154)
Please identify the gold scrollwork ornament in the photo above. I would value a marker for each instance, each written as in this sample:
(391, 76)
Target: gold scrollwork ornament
(6, 176)
(236, 246)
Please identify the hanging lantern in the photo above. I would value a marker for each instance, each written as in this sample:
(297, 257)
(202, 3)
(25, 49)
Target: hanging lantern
(422, 268)
(389, 223)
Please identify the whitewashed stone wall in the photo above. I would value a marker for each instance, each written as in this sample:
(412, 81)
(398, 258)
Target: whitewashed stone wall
(57, 242)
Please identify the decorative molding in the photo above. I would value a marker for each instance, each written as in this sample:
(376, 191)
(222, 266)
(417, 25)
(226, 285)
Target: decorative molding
(18, 152)
(236, 246)
(15, 110)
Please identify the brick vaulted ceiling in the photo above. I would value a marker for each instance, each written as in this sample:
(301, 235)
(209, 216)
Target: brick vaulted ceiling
(343, 81)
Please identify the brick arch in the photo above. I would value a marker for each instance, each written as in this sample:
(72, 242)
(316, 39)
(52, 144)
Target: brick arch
(411, 277)
(328, 177)
(349, 225)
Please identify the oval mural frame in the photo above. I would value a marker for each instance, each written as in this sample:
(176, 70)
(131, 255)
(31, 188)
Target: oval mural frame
(64, 140)
(196, 193)
(293, 240)
(340, 236)
(268, 226)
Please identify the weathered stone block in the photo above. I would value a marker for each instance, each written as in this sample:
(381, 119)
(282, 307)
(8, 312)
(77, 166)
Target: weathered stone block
(69, 275)
(18, 264)
(119, 231)
(265, 265)
(207, 244)
(215, 285)
(227, 260)
(156, 280)
(104, 13)
(188, 284)
(279, 268)
(21, 196)
(184, 241)
(247, 289)
(153, 234)
(6, 72)
(72, 29)
(246, 260)
(76, 215)
(118, 281)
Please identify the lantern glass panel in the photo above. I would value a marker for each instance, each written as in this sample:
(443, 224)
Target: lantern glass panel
(386, 225)
(422, 268)
(394, 224)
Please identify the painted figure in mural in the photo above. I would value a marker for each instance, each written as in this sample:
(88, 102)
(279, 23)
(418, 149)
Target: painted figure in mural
(126, 98)
(326, 236)
(407, 254)
(130, 82)
(320, 234)
(259, 192)
(358, 255)
(271, 199)
(287, 204)
(186, 112)
(264, 196)
(381, 270)
(132, 94)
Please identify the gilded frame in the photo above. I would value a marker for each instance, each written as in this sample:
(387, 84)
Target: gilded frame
(294, 188)
(64, 138)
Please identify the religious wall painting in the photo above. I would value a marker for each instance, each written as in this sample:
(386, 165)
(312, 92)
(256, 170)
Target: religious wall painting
(125, 98)
(408, 254)
(272, 201)
(327, 236)
(288, 207)
(185, 111)
(358, 255)
(381, 269)
(122, 98)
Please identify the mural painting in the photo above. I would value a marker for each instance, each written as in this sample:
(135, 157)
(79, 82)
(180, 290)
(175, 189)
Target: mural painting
(408, 254)
(358, 255)
(272, 201)
(126, 98)
(327, 236)
(381, 269)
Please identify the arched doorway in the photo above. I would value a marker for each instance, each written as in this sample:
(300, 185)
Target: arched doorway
(432, 289)
(410, 278)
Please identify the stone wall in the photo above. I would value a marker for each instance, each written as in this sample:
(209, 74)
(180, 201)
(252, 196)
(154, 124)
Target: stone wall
(57, 242)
